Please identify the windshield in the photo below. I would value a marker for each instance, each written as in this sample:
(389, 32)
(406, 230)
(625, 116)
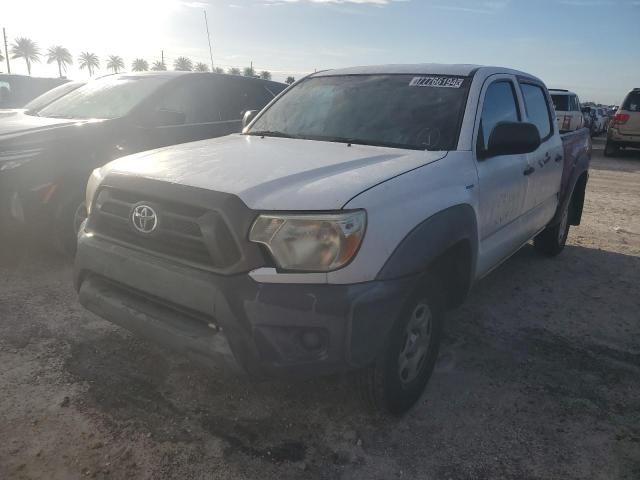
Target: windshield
(402, 111)
(560, 102)
(110, 97)
(52, 95)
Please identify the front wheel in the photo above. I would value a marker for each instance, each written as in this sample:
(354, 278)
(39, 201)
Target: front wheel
(397, 379)
(69, 218)
(551, 240)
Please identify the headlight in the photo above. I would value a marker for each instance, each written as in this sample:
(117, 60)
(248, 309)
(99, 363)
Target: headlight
(311, 242)
(92, 186)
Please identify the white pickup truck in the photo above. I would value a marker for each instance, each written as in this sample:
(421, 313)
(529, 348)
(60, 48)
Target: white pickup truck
(332, 234)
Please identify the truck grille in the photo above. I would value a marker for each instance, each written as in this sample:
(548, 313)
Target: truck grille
(186, 233)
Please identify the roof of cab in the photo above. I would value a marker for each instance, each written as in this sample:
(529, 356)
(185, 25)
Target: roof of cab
(463, 70)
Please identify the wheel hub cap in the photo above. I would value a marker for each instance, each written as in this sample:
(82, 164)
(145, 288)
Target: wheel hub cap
(417, 337)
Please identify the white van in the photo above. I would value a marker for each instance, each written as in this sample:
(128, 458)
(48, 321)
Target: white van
(568, 111)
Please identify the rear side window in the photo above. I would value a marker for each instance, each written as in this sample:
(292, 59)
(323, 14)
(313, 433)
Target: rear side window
(500, 105)
(560, 102)
(194, 99)
(632, 102)
(237, 95)
(535, 102)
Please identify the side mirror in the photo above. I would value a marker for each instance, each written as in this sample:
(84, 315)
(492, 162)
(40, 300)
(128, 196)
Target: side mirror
(167, 118)
(513, 138)
(248, 116)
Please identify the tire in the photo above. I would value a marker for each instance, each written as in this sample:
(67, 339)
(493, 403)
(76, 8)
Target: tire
(396, 381)
(70, 215)
(551, 241)
(611, 149)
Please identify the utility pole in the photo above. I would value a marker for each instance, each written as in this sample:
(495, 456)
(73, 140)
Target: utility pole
(6, 49)
(206, 23)
(162, 56)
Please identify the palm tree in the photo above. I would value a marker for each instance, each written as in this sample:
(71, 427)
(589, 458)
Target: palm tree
(115, 63)
(201, 67)
(234, 71)
(60, 55)
(183, 64)
(218, 70)
(90, 61)
(140, 65)
(26, 48)
(290, 80)
(265, 75)
(158, 66)
(249, 72)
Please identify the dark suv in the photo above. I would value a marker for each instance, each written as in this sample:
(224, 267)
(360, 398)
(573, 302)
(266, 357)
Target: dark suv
(46, 158)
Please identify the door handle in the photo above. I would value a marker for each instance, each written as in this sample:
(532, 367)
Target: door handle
(529, 171)
(558, 158)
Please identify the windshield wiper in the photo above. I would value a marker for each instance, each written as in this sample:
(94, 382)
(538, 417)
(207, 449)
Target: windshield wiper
(270, 133)
(357, 141)
(55, 116)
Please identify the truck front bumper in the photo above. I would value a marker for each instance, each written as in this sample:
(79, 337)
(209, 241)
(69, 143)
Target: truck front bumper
(263, 329)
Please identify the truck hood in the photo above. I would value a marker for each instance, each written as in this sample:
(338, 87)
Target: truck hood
(274, 173)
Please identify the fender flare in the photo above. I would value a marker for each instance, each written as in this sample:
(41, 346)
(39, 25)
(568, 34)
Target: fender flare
(430, 239)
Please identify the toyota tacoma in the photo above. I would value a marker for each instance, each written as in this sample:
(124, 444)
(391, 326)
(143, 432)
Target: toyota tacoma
(332, 234)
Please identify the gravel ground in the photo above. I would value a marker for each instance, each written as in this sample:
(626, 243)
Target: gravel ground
(537, 379)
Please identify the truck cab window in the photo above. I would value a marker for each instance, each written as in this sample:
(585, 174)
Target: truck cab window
(535, 102)
(500, 105)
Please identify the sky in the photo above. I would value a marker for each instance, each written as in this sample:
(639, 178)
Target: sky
(591, 47)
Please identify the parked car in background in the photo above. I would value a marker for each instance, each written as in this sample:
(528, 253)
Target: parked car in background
(625, 127)
(47, 156)
(599, 120)
(334, 232)
(568, 110)
(589, 117)
(17, 90)
(604, 112)
(43, 100)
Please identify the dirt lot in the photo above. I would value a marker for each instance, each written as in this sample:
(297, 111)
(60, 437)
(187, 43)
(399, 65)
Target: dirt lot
(538, 379)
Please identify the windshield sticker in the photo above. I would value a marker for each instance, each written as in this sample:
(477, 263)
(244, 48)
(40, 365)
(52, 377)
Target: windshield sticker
(439, 82)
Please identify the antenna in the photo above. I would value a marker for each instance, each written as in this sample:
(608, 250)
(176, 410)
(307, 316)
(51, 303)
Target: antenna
(206, 23)
(6, 50)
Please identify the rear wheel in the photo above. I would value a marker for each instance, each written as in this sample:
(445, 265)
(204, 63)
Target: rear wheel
(611, 149)
(397, 379)
(69, 218)
(551, 241)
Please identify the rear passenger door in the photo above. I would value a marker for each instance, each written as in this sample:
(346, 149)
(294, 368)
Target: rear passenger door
(502, 183)
(546, 163)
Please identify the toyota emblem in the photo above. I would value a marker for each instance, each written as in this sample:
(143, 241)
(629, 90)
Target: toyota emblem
(144, 219)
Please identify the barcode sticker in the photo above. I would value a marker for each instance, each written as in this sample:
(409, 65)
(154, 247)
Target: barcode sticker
(438, 82)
